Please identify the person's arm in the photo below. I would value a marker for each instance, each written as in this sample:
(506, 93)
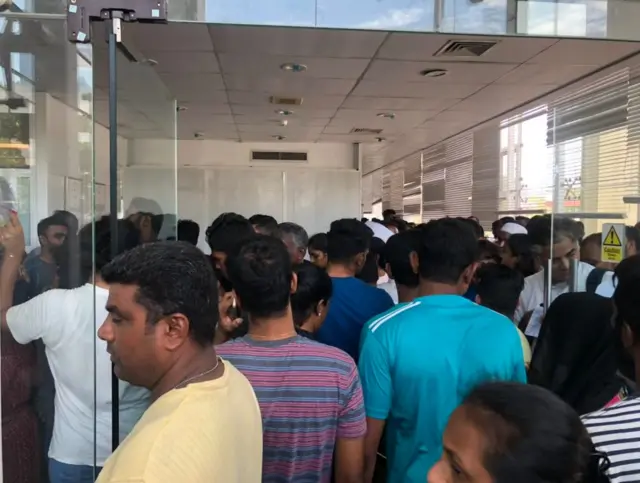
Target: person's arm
(226, 325)
(12, 240)
(377, 387)
(352, 428)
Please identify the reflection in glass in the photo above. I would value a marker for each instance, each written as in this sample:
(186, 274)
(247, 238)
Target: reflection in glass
(402, 15)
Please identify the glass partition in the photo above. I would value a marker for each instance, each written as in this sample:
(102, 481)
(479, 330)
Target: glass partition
(46, 176)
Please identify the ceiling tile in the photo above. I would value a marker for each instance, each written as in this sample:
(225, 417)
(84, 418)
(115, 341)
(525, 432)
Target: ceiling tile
(195, 86)
(289, 86)
(423, 46)
(542, 74)
(269, 66)
(458, 72)
(585, 52)
(415, 89)
(397, 103)
(184, 62)
(262, 99)
(296, 41)
(299, 112)
(171, 37)
(404, 118)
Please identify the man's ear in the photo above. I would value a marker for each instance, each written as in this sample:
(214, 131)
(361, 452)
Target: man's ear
(478, 300)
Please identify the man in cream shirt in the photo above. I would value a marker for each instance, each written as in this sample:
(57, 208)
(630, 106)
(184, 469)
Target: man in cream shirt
(204, 424)
(565, 247)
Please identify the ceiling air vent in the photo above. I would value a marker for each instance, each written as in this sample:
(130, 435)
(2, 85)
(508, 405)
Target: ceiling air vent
(286, 101)
(365, 130)
(278, 156)
(465, 48)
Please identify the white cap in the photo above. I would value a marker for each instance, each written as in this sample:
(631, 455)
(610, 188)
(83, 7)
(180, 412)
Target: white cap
(514, 229)
(379, 231)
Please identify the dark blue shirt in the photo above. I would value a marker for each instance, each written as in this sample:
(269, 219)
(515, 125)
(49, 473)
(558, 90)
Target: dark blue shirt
(352, 304)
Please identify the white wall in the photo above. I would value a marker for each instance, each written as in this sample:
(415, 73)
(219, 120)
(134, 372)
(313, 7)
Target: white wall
(217, 177)
(153, 152)
(58, 153)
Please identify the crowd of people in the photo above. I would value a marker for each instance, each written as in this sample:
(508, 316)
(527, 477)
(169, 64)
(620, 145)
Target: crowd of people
(378, 351)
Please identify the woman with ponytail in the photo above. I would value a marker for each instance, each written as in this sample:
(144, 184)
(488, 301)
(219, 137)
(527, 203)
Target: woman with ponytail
(514, 433)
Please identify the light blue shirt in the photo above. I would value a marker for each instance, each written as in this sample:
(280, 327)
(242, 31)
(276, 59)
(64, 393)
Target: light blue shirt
(419, 361)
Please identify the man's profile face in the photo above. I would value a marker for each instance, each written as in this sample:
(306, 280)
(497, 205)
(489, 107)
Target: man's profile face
(561, 255)
(318, 258)
(131, 340)
(54, 236)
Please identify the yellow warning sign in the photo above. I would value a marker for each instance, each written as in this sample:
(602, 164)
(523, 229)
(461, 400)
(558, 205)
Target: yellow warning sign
(613, 242)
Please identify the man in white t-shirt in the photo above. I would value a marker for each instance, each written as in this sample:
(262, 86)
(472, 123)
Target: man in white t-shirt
(67, 321)
(565, 248)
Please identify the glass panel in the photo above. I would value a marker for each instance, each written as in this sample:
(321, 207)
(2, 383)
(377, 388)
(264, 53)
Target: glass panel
(406, 15)
(46, 164)
(146, 194)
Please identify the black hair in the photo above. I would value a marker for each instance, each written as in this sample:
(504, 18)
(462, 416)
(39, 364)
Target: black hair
(532, 436)
(489, 251)
(633, 235)
(595, 238)
(57, 219)
(369, 272)
(297, 233)
(227, 231)
(499, 288)
(520, 246)
(266, 224)
(172, 277)
(498, 224)
(477, 228)
(94, 242)
(72, 222)
(261, 274)
(397, 253)
(318, 242)
(388, 213)
(523, 220)
(627, 275)
(314, 286)
(539, 230)
(189, 231)
(447, 248)
(346, 239)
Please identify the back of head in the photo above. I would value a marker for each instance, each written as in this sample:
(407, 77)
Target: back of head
(520, 246)
(171, 277)
(475, 226)
(318, 242)
(369, 272)
(314, 286)
(261, 275)
(576, 356)
(397, 254)
(499, 288)
(531, 436)
(265, 224)
(71, 220)
(489, 251)
(448, 247)
(297, 234)
(633, 237)
(388, 214)
(188, 231)
(346, 239)
(94, 241)
(625, 297)
(227, 231)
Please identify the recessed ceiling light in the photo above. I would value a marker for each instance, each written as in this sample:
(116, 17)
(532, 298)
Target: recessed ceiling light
(292, 67)
(278, 137)
(433, 72)
(379, 139)
(151, 62)
(181, 108)
(387, 115)
(284, 112)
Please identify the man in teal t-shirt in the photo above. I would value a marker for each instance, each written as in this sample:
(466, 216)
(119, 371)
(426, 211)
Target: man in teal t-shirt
(419, 360)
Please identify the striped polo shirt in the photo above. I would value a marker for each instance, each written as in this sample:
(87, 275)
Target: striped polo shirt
(616, 432)
(309, 395)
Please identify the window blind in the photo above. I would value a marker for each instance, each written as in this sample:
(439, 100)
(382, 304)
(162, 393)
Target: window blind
(458, 175)
(412, 188)
(593, 140)
(485, 174)
(392, 187)
(433, 182)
